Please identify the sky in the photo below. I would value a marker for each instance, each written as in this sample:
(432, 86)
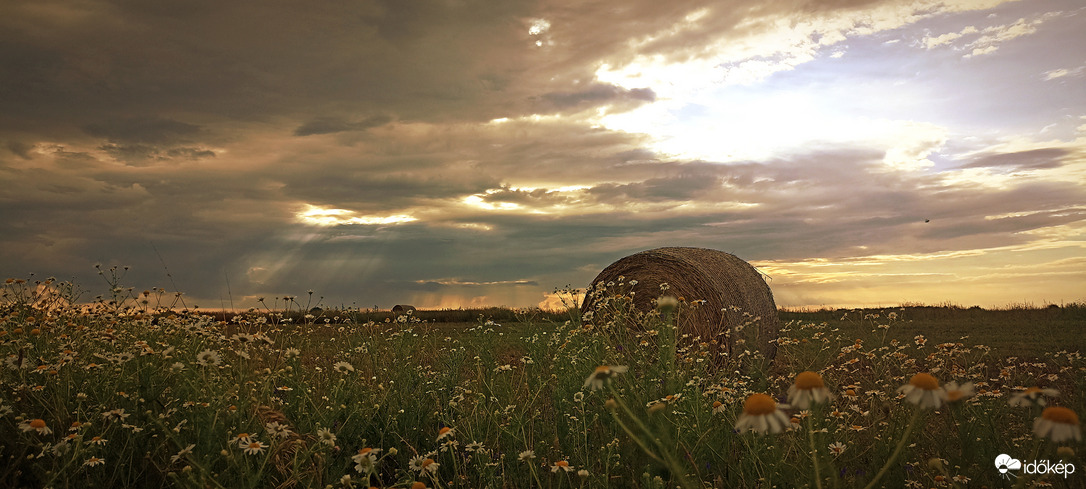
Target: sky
(461, 153)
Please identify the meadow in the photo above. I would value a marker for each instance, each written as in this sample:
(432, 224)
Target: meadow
(134, 392)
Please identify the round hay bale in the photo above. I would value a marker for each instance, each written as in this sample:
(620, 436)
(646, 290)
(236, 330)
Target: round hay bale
(403, 309)
(730, 287)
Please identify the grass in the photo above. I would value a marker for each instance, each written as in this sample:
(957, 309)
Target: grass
(132, 393)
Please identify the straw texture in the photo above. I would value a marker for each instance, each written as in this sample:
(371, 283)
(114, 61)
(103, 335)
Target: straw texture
(724, 281)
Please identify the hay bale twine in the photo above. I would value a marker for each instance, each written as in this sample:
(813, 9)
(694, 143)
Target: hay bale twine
(403, 309)
(725, 282)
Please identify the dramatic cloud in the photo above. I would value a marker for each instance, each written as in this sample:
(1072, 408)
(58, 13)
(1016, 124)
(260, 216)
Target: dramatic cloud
(450, 154)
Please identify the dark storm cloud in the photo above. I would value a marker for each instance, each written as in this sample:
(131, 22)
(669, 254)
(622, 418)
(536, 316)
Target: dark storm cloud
(19, 149)
(148, 130)
(329, 125)
(188, 138)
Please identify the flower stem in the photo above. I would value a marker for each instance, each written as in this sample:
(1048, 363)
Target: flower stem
(897, 449)
(814, 455)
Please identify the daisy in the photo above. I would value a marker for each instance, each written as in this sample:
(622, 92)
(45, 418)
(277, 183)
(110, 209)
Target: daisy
(1058, 424)
(445, 432)
(602, 373)
(181, 454)
(924, 391)
(1031, 396)
(837, 448)
(98, 441)
(278, 430)
(326, 437)
(343, 367)
(808, 389)
(254, 447)
(422, 464)
(718, 407)
(94, 461)
(418, 485)
(955, 392)
(761, 414)
(561, 465)
(526, 455)
(365, 459)
(208, 358)
(292, 353)
(35, 425)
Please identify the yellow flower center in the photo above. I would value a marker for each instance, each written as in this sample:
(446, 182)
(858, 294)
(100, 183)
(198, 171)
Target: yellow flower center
(809, 380)
(37, 424)
(254, 445)
(954, 395)
(924, 381)
(759, 404)
(418, 485)
(561, 463)
(443, 431)
(603, 370)
(427, 462)
(716, 404)
(1032, 390)
(1060, 415)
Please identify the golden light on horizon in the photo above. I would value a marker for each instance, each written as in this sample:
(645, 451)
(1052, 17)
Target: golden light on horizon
(326, 217)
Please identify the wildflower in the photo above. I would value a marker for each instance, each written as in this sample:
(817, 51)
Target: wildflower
(37, 424)
(1031, 396)
(924, 391)
(445, 432)
(473, 446)
(98, 440)
(578, 396)
(526, 455)
(418, 485)
(583, 473)
(365, 459)
(278, 430)
(955, 392)
(761, 414)
(718, 407)
(1058, 424)
(181, 454)
(94, 461)
(326, 437)
(561, 465)
(602, 373)
(808, 389)
(208, 358)
(243, 438)
(420, 463)
(837, 448)
(343, 367)
(115, 415)
(254, 447)
(292, 353)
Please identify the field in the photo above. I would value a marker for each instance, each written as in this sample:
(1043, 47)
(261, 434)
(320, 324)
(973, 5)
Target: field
(127, 394)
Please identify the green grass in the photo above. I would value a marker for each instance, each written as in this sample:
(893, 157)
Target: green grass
(509, 383)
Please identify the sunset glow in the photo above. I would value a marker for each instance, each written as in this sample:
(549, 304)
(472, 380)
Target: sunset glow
(450, 155)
